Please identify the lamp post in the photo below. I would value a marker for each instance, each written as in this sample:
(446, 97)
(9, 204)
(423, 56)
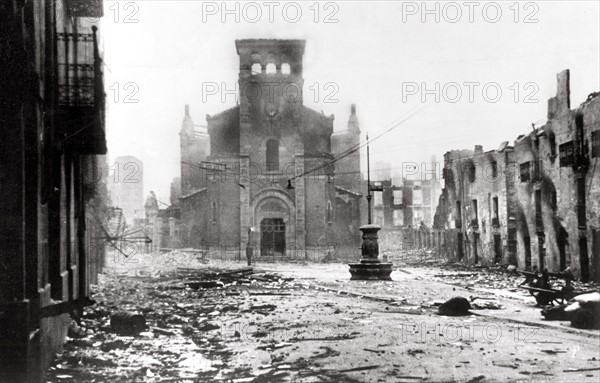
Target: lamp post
(370, 267)
(369, 196)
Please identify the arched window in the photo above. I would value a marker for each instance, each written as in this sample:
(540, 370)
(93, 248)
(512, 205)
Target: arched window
(329, 212)
(285, 68)
(256, 68)
(272, 155)
(271, 68)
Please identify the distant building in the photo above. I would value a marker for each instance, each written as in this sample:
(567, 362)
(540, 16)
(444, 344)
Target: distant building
(350, 207)
(126, 186)
(475, 203)
(410, 204)
(195, 148)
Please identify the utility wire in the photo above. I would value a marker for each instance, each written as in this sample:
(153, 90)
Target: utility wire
(358, 146)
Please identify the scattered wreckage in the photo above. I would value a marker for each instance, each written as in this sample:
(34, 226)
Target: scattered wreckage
(543, 286)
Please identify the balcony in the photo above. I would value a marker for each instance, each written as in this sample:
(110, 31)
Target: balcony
(80, 98)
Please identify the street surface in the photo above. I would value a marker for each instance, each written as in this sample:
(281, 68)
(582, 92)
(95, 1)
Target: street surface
(298, 322)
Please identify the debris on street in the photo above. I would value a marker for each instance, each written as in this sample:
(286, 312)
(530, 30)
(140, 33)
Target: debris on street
(252, 324)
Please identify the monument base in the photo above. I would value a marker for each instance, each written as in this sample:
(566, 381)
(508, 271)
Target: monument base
(368, 269)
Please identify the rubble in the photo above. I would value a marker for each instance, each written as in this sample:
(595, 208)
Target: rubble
(127, 323)
(556, 313)
(124, 335)
(457, 306)
(253, 324)
(583, 311)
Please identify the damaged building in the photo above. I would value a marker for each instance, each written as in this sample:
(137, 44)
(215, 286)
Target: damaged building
(404, 208)
(535, 204)
(52, 191)
(264, 170)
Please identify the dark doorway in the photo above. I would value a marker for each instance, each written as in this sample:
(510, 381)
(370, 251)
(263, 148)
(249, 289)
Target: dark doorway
(272, 237)
(512, 247)
(459, 246)
(475, 244)
(497, 248)
(541, 251)
(527, 245)
(584, 259)
(562, 241)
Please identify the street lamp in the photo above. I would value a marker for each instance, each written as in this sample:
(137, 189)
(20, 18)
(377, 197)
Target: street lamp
(368, 184)
(370, 267)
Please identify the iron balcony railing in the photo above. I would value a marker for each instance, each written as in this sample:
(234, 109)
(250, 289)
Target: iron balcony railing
(79, 70)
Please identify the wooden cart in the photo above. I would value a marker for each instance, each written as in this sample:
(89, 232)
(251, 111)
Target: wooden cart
(542, 286)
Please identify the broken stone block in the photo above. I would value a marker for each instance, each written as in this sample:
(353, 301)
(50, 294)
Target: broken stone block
(584, 310)
(208, 326)
(457, 306)
(74, 331)
(127, 323)
(556, 313)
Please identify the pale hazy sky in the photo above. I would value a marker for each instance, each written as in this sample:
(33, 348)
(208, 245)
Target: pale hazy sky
(170, 52)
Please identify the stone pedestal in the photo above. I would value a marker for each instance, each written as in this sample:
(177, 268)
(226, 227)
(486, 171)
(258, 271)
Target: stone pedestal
(370, 267)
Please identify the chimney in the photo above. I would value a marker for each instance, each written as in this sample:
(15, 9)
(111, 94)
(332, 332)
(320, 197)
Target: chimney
(561, 103)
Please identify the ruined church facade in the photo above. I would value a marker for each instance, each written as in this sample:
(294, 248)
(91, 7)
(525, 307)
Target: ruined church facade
(263, 171)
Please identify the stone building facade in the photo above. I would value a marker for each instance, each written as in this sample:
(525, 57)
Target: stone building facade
(557, 189)
(52, 190)
(268, 176)
(533, 204)
(474, 204)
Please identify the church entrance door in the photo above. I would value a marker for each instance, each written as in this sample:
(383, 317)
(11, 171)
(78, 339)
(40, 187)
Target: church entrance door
(272, 237)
